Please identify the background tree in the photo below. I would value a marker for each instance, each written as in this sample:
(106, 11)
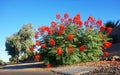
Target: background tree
(13, 46)
(20, 42)
(115, 32)
(112, 23)
(1, 62)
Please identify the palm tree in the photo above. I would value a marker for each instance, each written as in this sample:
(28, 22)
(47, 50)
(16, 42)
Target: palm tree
(112, 24)
(115, 32)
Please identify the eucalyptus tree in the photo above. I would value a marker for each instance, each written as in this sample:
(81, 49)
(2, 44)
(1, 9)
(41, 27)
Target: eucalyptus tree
(20, 42)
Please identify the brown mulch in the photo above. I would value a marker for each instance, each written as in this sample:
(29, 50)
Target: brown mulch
(104, 68)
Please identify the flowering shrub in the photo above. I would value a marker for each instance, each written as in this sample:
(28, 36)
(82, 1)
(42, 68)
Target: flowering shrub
(70, 40)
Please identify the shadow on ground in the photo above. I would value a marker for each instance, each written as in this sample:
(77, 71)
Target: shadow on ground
(24, 66)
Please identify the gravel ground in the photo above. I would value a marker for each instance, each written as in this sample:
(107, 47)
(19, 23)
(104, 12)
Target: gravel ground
(71, 70)
(111, 70)
(90, 68)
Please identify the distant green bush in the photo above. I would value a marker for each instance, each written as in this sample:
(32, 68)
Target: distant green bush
(1, 62)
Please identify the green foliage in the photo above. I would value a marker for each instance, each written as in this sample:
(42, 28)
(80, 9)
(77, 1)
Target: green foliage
(20, 42)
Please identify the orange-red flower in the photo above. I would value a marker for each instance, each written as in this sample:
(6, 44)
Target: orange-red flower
(31, 48)
(66, 15)
(106, 53)
(59, 51)
(37, 43)
(107, 44)
(109, 29)
(53, 24)
(43, 46)
(62, 27)
(58, 16)
(50, 31)
(102, 28)
(43, 29)
(52, 42)
(70, 19)
(99, 22)
(78, 16)
(70, 49)
(37, 57)
(48, 65)
(59, 32)
(82, 48)
(70, 37)
(79, 22)
(90, 18)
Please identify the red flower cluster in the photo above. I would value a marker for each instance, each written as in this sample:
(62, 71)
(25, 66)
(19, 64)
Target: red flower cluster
(43, 46)
(37, 42)
(51, 42)
(99, 23)
(59, 51)
(62, 27)
(82, 48)
(70, 19)
(66, 15)
(59, 32)
(107, 44)
(70, 37)
(50, 31)
(106, 53)
(46, 29)
(70, 49)
(32, 48)
(109, 29)
(77, 20)
(102, 28)
(53, 25)
(48, 65)
(37, 57)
